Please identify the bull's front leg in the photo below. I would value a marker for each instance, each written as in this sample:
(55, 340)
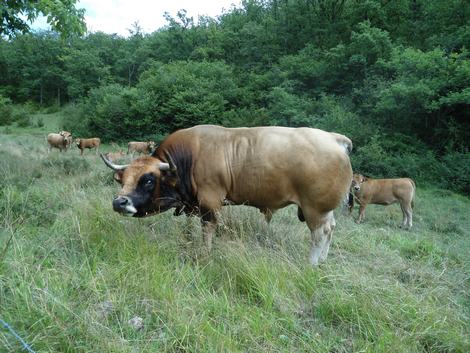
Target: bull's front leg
(209, 225)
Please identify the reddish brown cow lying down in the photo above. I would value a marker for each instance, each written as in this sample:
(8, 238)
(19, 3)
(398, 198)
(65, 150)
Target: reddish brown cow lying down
(384, 192)
(114, 156)
(140, 147)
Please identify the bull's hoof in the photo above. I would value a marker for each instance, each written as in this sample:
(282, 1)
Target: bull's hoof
(358, 221)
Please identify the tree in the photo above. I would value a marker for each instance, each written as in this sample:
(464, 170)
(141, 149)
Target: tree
(61, 15)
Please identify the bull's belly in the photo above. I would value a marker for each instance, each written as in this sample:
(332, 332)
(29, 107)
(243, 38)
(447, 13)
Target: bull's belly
(261, 202)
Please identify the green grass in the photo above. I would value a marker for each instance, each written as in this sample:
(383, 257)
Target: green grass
(75, 272)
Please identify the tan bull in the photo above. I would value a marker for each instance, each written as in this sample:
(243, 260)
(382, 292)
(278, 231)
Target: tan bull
(57, 141)
(200, 169)
(67, 135)
(88, 143)
(366, 191)
(140, 147)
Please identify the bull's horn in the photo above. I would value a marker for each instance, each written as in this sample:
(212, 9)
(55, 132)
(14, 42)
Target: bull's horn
(171, 162)
(164, 166)
(111, 165)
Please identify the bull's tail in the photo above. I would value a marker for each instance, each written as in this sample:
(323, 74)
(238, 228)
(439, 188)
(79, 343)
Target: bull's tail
(343, 141)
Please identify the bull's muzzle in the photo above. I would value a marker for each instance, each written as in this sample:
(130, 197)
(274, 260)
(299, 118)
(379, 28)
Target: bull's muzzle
(357, 187)
(124, 205)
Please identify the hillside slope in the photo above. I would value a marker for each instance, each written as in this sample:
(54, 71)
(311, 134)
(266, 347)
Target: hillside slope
(73, 272)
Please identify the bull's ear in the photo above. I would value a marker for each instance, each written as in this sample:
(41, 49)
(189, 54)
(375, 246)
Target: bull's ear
(169, 177)
(118, 176)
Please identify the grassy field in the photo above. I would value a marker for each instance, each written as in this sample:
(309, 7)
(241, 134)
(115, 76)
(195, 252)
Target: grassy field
(73, 272)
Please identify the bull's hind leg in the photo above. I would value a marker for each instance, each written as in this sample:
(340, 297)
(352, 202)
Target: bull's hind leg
(407, 215)
(326, 248)
(321, 227)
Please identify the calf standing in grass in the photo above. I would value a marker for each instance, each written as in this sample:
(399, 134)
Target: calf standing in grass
(88, 143)
(383, 192)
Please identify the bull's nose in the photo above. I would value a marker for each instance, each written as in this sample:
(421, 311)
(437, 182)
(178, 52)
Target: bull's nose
(357, 188)
(120, 203)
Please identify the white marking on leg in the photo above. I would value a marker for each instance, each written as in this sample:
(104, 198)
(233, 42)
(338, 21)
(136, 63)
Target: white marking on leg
(319, 241)
(328, 230)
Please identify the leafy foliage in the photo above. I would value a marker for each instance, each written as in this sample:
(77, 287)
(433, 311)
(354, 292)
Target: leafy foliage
(6, 109)
(381, 72)
(61, 15)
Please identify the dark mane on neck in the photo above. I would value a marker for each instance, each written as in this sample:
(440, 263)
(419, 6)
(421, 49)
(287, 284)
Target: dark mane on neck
(183, 159)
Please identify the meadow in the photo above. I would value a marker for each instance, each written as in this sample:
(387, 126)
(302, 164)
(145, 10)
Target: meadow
(73, 272)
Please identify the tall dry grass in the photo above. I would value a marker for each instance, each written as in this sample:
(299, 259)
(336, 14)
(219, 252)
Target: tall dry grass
(74, 272)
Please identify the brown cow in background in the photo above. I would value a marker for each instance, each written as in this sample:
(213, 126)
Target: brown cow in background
(383, 192)
(140, 147)
(88, 143)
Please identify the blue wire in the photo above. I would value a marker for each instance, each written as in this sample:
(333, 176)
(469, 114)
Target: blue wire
(25, 345)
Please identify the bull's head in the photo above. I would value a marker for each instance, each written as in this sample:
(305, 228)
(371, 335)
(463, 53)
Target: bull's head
(148, 186)
(357, 181)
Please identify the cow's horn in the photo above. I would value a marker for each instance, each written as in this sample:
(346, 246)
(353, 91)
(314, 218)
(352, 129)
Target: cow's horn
(171, 162)
(111, 165)
(164, 166)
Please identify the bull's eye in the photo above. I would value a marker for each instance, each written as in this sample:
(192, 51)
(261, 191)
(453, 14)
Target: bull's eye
(147, 182)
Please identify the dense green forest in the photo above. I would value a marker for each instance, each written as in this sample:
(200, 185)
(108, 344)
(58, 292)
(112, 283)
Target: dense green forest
(394, 76)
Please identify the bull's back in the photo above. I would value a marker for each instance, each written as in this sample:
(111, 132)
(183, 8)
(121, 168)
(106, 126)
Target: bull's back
(272, 166)
(55, 139)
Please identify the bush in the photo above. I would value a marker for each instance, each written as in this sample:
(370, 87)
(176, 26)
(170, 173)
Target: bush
(24, 121)
(51, 109)
(455, 171)
(6, 110)
(394, 156)
(21, 115)
(75, 119)
(40, 122)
